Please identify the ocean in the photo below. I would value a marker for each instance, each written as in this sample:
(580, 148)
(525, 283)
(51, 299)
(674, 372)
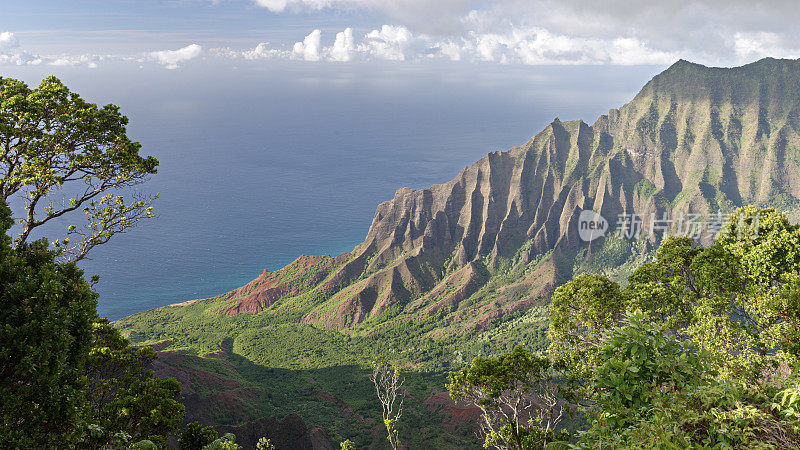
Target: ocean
(263, 162)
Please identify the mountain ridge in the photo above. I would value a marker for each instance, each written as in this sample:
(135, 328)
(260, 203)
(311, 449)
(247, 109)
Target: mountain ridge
(691, 140)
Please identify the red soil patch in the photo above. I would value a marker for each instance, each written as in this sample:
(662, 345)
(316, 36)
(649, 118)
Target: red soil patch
(454, 416)
(269, 287)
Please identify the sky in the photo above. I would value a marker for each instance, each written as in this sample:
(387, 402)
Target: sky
(171, 34)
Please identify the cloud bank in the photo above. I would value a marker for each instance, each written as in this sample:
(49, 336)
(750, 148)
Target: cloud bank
(726, 32)
(13, 53)
(529, 46)
(526, 32)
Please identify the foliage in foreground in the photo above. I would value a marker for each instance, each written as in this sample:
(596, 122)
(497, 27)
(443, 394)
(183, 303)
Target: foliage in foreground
(62, 156)
(70, 380)
(518, 398)
(195, 436)
(699, 350)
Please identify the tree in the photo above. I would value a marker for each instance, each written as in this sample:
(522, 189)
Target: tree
(60, 154)
(765, 250)
(66, 376)
(666, 288)
(46, 322)
(787, 307)
(388, 386)
(347, 445)
(639, 360)
(123, 395)
(225, 442)
(699, 349)
(517, 395)
(655, 390)
(581, 311)
(195, 436)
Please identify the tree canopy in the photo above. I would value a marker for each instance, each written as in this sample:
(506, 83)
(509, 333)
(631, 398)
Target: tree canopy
(67, 377)
(700, 347)
(60, 154)
(46, 322)
(518, 398)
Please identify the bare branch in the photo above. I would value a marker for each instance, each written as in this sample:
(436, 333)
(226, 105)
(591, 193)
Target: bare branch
(389, 386)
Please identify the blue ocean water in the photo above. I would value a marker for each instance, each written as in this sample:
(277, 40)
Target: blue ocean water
(260, 164)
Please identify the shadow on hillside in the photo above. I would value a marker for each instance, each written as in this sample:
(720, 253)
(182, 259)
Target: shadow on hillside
(226, 389)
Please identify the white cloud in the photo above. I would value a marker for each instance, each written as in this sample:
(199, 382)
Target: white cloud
(530, 32)
(343, 46)
(517, 45)
(390, 42)
(314, 5)
(630, 51)
(426, 15)
(8, 40)
(750, 46)
(12, 54)
(309, 49)
(65, 60)
(272, 5)
(21, 59)
(262, 51)
(171, 59)
(452, 50)
(536, 46)
(727, 32)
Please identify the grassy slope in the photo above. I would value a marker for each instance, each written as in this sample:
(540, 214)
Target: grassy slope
(274, 366)
(277, 369)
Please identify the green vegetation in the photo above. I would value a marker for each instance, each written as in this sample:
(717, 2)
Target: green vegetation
(518, 398)
(63, 154)
(225, 442)
(68, 378)
(44, 343)
(124, 396)
(290, 363)
(389, 388)
(195, 436)
(688, 346)
(264, 444)
(292, 346)
(700, 349)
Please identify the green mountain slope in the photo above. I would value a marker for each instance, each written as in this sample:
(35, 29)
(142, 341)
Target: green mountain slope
(466, 267)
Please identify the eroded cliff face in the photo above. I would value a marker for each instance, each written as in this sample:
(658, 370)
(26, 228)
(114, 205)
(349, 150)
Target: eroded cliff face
(501, 235)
